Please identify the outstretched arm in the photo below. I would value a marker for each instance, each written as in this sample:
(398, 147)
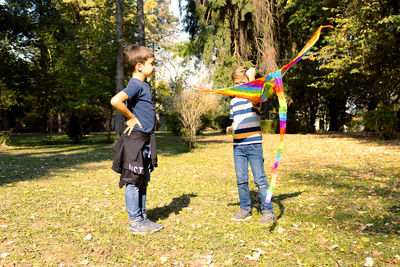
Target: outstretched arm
(118, 102)
(251, 74)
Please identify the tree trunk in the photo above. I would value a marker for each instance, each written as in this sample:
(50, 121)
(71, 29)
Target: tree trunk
(109, 119)
(119, 120)
(140, 20)
(333, 115)
(313, 117)
(59, 123)
(4, 125)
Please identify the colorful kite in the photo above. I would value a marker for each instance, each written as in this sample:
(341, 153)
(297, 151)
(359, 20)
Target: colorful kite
(261, 89)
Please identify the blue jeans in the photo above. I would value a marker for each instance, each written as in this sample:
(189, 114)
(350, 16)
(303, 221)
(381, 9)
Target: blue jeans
(135, 195)
(253, 154)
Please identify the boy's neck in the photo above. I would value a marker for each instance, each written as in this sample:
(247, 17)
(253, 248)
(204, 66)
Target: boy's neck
(139, 76)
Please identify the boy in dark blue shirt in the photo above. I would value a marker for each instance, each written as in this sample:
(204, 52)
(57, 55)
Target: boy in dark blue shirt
(135, 155)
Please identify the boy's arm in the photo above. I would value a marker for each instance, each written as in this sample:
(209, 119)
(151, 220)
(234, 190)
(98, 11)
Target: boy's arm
(229, 129)
(251, 74)
(118, 102)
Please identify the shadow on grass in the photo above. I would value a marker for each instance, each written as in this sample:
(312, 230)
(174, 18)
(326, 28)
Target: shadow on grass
(275, 199)
(361, 137)
(341, 177)
(16, 167)
(176, 205)
(37, 139)
(169, 144)
(278, 200)
(220, 138)
(32, 161)
(351, 194)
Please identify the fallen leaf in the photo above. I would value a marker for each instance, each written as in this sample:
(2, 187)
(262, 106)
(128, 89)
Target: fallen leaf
(256, 254)
(369, 262)
(334, 246)
(84, 262)
(4, 255)
(365, 239)
(88, 237)
(365, 226)
(209, 259)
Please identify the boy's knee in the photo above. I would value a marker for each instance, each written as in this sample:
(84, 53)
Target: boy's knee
(260, 184)
(242, 183)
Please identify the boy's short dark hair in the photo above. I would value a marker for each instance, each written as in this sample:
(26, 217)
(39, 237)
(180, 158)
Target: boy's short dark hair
(137, 54)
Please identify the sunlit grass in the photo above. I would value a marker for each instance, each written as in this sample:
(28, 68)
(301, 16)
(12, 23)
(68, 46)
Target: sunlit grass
(337, 200)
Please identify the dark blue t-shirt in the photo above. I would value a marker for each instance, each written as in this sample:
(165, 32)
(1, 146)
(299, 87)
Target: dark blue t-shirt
(141, 104)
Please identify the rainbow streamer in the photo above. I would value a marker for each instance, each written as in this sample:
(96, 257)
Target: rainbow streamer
(277, 77)
(263, 88)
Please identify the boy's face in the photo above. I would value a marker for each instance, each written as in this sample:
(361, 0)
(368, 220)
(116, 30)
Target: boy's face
(244, 79)
(147, 68)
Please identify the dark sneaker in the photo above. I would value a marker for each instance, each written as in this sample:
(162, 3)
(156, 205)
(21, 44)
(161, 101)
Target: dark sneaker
(267, 217)
(152, 226)
(242, 215)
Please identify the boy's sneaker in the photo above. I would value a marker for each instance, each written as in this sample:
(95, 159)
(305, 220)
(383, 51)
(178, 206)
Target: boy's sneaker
(152, 226)
(138, 227)
(267, 217)
(144, 226)
(242, 215)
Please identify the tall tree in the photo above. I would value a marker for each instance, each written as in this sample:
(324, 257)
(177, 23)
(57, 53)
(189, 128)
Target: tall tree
(120, 61)
(228, 33)
(60, 56)
(140, 21)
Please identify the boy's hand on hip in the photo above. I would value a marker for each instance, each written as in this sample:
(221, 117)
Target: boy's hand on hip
(131, 124)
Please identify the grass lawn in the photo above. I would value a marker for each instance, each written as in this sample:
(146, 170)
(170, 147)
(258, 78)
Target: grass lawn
(337, 201)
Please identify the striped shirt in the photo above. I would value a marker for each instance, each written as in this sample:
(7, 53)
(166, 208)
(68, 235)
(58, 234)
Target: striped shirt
(246, 121)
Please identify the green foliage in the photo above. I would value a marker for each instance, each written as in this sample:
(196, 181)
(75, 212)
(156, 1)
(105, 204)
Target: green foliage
(8, 97)
(60, 56)
(82, 121)
(294, 126)
(383, 121)
(74, 129)
(4, 137)
(269, 126)
(223, 121)
(222, 35)
(354, 125)
(174, 124)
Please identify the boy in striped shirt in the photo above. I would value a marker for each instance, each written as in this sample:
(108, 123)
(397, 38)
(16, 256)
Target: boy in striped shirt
(247, 148)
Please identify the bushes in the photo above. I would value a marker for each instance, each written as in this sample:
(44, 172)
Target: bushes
(223, 121)
(74, 129)
(269, 126)
(173, 123)
(4, 137)
(383, 121)
(293, 126)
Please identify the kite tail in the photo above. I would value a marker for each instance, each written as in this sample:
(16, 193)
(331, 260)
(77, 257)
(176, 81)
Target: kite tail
(277, 77)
